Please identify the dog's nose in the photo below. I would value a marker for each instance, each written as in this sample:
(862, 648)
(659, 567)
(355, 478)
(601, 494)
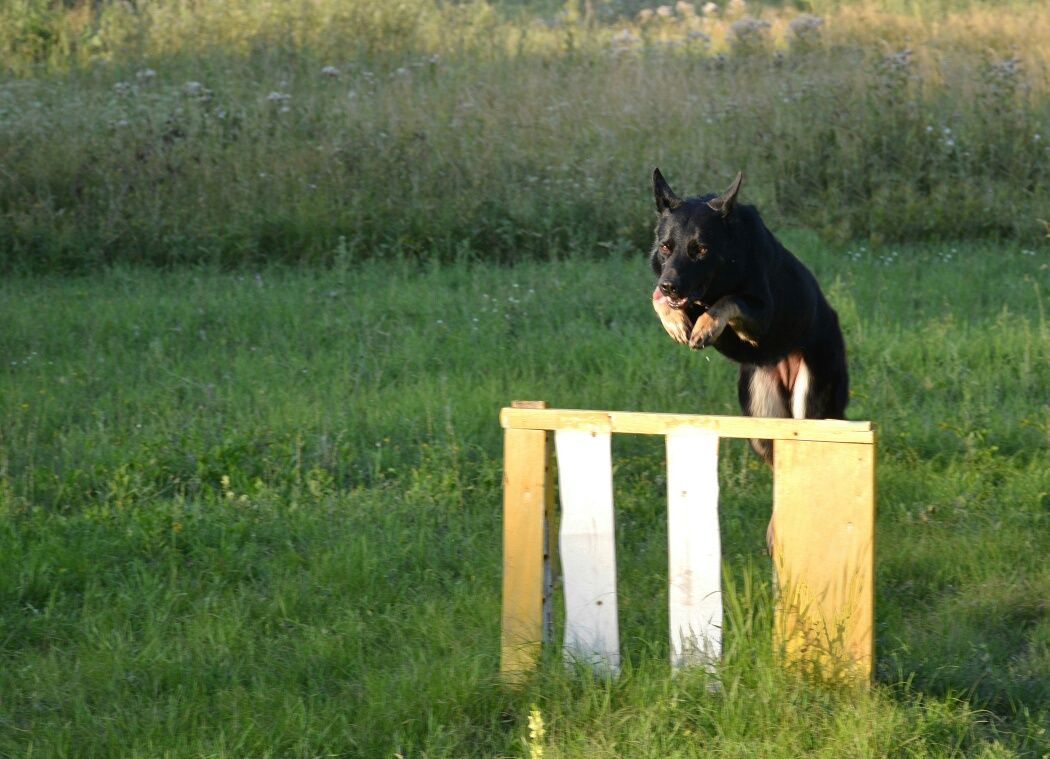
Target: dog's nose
(668, 289)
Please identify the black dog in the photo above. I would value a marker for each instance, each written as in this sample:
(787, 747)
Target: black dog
(719, 267)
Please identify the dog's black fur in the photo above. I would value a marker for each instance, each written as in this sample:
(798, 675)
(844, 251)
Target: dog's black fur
(725, 281)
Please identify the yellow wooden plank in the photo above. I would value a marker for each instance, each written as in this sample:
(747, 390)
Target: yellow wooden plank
(550, 531)
(524, 503)
(823, 555)
(528, 404)
(830, 430)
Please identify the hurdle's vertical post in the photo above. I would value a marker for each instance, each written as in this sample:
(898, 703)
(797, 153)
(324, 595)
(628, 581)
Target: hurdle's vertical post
(823, 555)
(528, 505)
(694, 548)
(588, 548)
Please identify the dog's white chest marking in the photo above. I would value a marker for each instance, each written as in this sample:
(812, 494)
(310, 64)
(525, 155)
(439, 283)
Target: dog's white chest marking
(780, 390)
(767, 394)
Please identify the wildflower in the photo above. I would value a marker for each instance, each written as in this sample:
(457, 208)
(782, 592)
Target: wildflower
(665, 11)
(747, 26)
(749, 33)
(122, 88)
(737, 6)
(805, 21)
(1007, 68)
(694, 35)
(193, 88)
(683, 8)
(145, 75)
(536, 733)
(899, 60)
(330, 71)
(710, 9)
(806, 28)
(278, 97)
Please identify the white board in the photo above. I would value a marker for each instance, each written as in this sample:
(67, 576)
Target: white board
(588, 548)
(694, 548)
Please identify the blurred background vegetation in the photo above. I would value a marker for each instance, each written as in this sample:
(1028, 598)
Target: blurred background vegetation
(322, 130)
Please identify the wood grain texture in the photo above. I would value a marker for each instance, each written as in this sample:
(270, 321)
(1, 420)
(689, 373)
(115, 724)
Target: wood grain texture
(829, 430)
(524, 502)
(588, 549)
(823, 556)
(694, 548)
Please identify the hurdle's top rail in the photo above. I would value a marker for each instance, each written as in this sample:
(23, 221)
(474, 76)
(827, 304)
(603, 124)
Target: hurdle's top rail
(643, 423)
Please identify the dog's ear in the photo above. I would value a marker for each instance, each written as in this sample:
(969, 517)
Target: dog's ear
(666, 200)
(724, 203)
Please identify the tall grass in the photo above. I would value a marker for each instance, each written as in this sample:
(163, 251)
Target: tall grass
(232, 133)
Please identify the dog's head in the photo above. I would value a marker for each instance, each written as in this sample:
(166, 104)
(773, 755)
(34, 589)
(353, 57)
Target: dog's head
(693, 254)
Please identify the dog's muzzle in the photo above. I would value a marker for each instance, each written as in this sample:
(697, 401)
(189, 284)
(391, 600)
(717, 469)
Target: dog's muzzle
(672, 301)
(669, 294)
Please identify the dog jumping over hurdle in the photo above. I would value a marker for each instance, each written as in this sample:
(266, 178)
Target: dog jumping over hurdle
(719, 267)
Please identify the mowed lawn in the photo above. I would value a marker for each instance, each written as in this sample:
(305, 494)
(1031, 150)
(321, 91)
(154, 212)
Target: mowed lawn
(257, 514)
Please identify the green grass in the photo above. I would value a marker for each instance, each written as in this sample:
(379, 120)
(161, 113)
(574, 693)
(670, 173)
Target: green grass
(250, 498)
(257, 513)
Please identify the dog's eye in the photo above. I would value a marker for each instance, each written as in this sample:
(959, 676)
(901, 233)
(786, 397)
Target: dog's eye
(664, 249)
(697, 251)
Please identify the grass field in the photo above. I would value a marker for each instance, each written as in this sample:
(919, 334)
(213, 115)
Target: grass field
(257, 514)
(270, 269)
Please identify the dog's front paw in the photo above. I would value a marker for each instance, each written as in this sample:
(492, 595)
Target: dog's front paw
(674, 320)
(706, 330)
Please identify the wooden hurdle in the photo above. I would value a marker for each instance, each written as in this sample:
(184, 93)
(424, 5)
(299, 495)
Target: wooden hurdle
(823, 536)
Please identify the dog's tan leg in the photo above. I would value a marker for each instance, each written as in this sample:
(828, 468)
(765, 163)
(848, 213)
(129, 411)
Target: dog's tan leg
(674, 320)
(708, 328)
(735, 317)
